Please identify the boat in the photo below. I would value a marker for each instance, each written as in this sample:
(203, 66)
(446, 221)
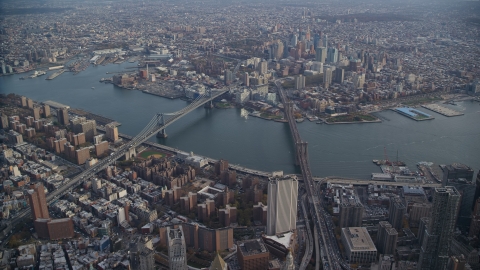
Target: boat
(299, 120)
(93, 87)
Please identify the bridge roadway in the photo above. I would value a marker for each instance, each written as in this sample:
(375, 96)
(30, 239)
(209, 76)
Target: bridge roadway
(332, 260)
(158, 123)
(309, 243)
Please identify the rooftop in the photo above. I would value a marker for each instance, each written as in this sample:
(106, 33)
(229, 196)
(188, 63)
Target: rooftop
(358, 239)
(252, 247)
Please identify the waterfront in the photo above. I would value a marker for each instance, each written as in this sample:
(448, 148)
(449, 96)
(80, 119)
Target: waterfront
(341, 150)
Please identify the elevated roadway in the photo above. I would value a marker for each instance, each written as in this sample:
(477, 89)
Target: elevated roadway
(309, 243)
(332, 261)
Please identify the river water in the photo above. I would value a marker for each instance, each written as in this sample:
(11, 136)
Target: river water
(334, 150)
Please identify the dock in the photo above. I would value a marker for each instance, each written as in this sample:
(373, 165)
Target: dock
(442, 110)
(413, 114)
(56, 74)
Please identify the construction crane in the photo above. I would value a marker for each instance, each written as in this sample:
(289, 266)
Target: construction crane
(387, 162)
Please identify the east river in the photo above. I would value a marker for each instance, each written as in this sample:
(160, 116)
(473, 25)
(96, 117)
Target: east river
(334, 150)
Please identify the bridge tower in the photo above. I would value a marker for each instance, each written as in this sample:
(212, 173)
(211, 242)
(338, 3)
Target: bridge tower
(162, 133)
(209, 105)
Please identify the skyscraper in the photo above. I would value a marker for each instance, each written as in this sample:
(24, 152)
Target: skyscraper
(437, 237)
(246, 79)
(332, 55)
(299, 82)
(320, 54)
(177, 254)
(325, 41)
(460, 176)
(327, 77)
(282, 204)
(294, 40)
(38, 201)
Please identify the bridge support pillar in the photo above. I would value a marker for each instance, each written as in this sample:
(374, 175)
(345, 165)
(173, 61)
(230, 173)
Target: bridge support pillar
(162, 134)
(130, 153)
(209, 105)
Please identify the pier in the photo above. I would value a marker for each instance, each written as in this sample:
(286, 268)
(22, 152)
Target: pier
(442, 110)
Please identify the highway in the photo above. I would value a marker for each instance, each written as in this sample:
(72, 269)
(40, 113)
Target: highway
(347, 181)
(332, 259)
(158, 123)
(309, 244)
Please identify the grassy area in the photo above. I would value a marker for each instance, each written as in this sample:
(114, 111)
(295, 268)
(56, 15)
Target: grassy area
(223, 105)
(351, 118)
(148, 153)
(421, 117)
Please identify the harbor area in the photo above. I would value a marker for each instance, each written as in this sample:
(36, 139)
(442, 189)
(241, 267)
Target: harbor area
(442, 110)
(413, 114)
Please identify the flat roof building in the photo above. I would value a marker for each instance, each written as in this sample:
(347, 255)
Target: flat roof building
(252, 255)
(358, 245)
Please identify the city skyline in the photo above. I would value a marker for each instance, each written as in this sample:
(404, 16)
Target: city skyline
(248, 102)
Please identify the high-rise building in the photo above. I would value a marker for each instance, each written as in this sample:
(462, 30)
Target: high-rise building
(228, 77)
(146, 259)
(262, 67)
(4, 121)
(294, 40)
(82, 125)
(460, 176)
(332, 55)
(252, 254)
(475, 223)
(36, 112)
(396, 212)
(456, 171)
(320, 54)
(316, 41)
(299, 82)
(386, 238)
(61, 228)
(111, 131)
(62, 116)
(437, 237)
(246, 79)
(417, 211)
(351, 214)
(339, 75)
(325, 41)
(327, 77)
(477, 188)
(221, 166)
(177, 251)
(46, 110)
(38, 201)
(282, 204)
